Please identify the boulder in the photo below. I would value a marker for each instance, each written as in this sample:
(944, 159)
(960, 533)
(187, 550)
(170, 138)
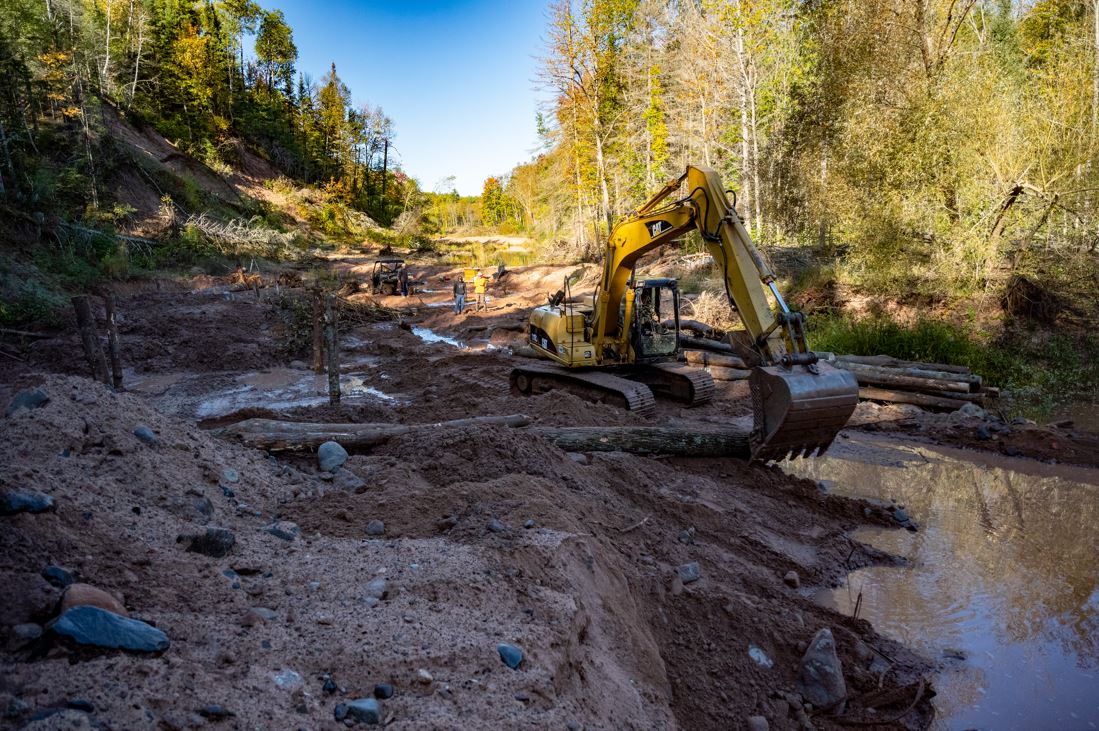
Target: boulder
(820, 675)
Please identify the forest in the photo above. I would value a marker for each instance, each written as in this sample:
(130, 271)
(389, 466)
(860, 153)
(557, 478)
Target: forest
(209, 76)
(937, 156)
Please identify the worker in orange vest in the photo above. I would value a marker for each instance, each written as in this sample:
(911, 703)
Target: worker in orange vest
(480, 287)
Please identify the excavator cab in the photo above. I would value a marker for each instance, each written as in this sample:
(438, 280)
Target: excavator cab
(655, 326)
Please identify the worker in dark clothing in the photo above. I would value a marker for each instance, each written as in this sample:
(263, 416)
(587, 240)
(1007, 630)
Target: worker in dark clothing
(459, 295)
(402, 279)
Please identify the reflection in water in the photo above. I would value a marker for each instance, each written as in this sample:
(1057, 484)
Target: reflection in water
(430, 336)
(1004, 585)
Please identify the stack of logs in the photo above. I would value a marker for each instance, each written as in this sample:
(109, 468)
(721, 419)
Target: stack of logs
(934, 386)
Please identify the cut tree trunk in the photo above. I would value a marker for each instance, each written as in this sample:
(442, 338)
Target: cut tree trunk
(704, 344)
(85, 323)
(702, 357)
(886, 361)
(292, 435)
(719, 373)
(908, 397)
(913, 378)
(696, 441)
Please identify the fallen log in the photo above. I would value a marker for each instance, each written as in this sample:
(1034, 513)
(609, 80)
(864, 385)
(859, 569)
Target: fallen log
(973, 381)
(886, 361)
(694, 441)
(719, 373)
(715, 346)
(877, 376)
(292, 435)
(698, 327)
(909, 397)
(702, 357)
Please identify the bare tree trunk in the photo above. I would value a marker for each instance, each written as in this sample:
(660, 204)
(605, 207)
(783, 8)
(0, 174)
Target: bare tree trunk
(85, 323)
(106, 84)
(137, 58)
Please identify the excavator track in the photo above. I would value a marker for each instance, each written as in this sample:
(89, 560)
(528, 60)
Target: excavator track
(692, 386)
(596, 385)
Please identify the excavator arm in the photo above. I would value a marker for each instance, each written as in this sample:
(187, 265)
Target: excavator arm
(800, 405)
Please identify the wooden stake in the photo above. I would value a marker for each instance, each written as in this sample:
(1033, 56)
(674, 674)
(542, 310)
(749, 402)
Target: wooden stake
(332, 348)
(318, 331)
(114, 346)
(85, 323)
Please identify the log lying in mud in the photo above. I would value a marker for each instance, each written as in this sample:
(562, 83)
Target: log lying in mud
(886, 361)
(924, 400)
(293, 435)
(678, 441)
(706, 358)
(695, 441)
(714, 346)
(719, 373)
(912, 378)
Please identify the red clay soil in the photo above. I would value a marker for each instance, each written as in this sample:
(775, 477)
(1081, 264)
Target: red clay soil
(490, 535)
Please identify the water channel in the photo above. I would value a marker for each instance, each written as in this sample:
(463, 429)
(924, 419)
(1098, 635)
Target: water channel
(1002, 591)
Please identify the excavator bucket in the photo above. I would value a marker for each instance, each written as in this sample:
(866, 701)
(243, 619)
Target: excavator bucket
(799, 409)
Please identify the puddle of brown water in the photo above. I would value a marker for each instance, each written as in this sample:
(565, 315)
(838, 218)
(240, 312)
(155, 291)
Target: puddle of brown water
(1004, 573)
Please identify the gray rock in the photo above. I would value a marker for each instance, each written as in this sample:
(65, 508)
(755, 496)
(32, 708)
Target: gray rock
(365, 710)
(94, 627)
(23, 500)
(686, 536)
(510, 654)
(284, 529)
(289, 680)
(496, 526)
(203, 506)
(375, 528)
(371, 601)
(215, 542)
(376, 588)
(820, 675)
(791, 579)
(983, 433)
(901, 515)
(345, 479)
(689, 572)
(758, 723)
(147, 435)
(22, 635)
(215, 711)
(577, 457)
(230, 476)
(331, 456)
(30, 398)
(529, 523)
(58, 576)
(384, 691)
(973, 410)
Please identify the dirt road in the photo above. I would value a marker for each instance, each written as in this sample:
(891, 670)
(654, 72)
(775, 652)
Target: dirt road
(488, 535)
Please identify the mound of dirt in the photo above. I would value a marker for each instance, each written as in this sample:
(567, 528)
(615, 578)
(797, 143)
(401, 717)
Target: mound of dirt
(488, 536)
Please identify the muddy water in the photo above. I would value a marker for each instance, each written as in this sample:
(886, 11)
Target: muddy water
(1003, 587)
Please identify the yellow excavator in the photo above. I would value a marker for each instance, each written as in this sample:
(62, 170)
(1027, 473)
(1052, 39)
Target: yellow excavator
(625, 344)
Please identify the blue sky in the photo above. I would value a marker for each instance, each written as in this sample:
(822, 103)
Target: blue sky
(457, 77)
